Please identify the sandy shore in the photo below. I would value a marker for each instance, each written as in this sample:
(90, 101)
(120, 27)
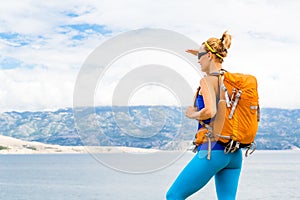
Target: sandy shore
(9, 145)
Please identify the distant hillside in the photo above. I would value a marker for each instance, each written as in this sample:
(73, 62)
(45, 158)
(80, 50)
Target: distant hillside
(279, 129)
(159, 127)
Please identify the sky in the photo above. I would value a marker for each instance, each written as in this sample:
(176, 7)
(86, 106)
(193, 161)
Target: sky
(43, 46)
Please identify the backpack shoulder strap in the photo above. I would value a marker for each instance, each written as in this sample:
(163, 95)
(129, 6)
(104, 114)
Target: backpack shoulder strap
(218, 74)
(196, 95)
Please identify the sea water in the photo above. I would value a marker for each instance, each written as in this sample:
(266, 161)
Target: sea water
(265, 175)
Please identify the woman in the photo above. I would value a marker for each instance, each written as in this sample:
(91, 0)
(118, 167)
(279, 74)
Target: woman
(225, 168)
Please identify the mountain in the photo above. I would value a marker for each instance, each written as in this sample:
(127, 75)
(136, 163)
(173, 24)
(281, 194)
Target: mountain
(279, 129)
(159, 127)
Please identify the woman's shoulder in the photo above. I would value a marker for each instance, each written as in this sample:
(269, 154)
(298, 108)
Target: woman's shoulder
(208, 79)
(210, 82)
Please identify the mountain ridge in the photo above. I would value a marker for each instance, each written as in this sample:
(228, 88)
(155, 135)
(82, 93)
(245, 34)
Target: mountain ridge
(158, 127)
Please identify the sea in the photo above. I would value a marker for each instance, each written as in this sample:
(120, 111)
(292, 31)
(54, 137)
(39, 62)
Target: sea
(266, 175)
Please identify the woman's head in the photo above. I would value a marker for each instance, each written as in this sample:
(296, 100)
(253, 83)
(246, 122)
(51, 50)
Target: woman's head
(218, 47)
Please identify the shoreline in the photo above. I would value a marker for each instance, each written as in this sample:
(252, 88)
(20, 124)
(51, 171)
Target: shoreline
(143, 151)
(9, 145)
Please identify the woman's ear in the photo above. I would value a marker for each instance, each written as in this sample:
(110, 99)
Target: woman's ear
(209, 55)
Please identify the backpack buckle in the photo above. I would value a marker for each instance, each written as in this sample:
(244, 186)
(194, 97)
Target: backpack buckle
(252, 146)
(231, 147)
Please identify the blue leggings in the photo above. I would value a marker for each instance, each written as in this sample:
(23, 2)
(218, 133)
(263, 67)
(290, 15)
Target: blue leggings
(225, 168)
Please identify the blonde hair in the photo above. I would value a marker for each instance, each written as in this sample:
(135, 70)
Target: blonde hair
(218, 46)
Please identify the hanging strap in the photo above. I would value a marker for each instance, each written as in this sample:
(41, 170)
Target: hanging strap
(252, 147)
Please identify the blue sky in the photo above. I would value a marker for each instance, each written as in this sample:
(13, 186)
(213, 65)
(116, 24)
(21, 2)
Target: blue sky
(44, 44)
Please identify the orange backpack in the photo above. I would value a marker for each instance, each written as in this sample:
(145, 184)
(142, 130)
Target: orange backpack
(236, 122)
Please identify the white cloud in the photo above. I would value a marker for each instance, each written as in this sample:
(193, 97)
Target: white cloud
(148, 92)
(36, 89)
(265, 42)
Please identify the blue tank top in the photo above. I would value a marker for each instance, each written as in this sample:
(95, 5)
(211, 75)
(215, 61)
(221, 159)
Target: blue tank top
(200, 104)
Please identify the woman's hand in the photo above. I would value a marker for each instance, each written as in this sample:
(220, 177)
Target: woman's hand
(192, 51)
(191, 112)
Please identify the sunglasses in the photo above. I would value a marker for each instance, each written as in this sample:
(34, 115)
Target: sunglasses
(201, 54)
